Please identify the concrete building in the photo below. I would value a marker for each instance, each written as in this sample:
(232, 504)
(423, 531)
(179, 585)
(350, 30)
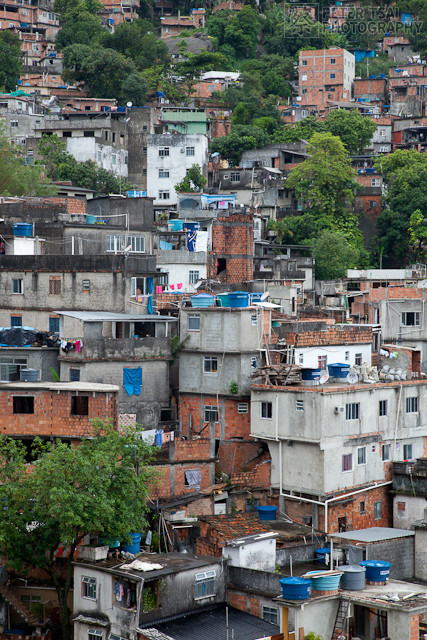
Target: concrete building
(131, 597)
(168, 158)
(325, 75)
(332, 446)
(142, 123)
(111, 345)
(174, 25)
(410, 492)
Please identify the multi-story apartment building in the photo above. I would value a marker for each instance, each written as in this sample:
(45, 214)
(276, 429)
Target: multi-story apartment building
(325, 75)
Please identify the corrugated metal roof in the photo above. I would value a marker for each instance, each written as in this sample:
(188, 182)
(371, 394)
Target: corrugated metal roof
(373, 534)
(105, 316)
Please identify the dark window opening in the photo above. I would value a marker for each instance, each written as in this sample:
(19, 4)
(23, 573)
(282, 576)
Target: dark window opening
(251, 504)
(66, 134)
(88, 134)
(145, 329)
(79, 405)
(221, 265)
(23, 404)
(166, 415)
(74, 375)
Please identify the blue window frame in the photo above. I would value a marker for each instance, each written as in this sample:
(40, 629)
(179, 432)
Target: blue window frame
(54, 325)
(16, 321)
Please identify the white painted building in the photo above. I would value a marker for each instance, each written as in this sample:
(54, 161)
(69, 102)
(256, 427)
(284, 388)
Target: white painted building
(182, 267)
(321, 356)
(169, 155)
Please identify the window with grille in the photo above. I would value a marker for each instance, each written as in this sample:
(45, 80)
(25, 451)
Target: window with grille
(204, 585)
(16, 321)
(412, 404)
(89, 587)
(407, 451)
(211, 413)
(210, 364)
(164, 195)
(347, 462)
(267, 410)
(79, 405)
(113, 243)
(137, 244)
(235, 176)
(193, 276)
(54, 325)
(352, 411)
(385, 452)
(322, 361)
(300, 405)
(361, 455)
(17, 285)
(54, 286)
(270, 614)
(190, 151)
(74, 375)
(194, 322)
(382, 407)
(242, 407)
(163, 152)
(163, 173)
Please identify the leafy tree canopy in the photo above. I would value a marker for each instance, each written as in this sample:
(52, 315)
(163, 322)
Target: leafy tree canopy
(194, 180)
(332, 264)
(238, 30)
(79, 25)
(355, 130)
(100, 486)
(137, 41)
(10, 60)
(241, 138)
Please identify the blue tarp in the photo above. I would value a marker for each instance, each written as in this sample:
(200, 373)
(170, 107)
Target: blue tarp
(150, 299)
(132, 381)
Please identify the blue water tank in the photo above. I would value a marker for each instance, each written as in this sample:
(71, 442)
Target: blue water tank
(133, 547)
(202, 300)
(310, 374)
(376, 570)
(267, 512)
(321, 554)
(175, 225)
(23, 229)
(324, 583)
(338, 370)
(295, 588)
(238, 298)
(90, 219)
(222, 300)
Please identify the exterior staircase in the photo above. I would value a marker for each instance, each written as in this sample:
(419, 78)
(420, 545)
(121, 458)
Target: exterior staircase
(339, 632)
(14, 601)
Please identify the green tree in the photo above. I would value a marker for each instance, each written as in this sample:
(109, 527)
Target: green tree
(331, 264)
(325, 182)
(134, 89)
(418, 235)
(79, 26)
(10, 60)
(204, 61)
(303, 130)
(100, 486)
(51, 148)
(240, 139)
(137, 41)
(194, 180)
(355, 130)
(17, 178)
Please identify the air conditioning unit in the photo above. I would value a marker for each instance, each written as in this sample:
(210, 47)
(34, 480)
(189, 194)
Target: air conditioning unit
(338, 409)
(182, 150)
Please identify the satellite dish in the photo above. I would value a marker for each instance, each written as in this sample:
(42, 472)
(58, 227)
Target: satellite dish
(324, 377)
(129, 104)
(265, 296)
(352, 377)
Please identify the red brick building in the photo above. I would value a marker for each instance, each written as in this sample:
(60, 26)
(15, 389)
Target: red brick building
(231, 258)
(325, 75)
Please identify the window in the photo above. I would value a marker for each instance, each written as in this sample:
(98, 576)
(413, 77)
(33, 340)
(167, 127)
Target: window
(254, 363)
(113, 243)
(301, 358)
(254, 320)
(163, 173)
(189, 151)
(99, 156)
(375, 182)
(401, 506)
(194, 322)
(14, 123)
(211, 413)
(333, 60)
(86, 285)
(164, 195)
(79, 405)
(377, 510)
(385, 452)
(74, 375)
(54, 325)
(94, 634)
(358, 359)
(322, 361)
(23, 404)
(347, 462)
(332, 76)
(204, 585)
(269, 614)
(304, 63)
(361, 455)
(193, 276)
(362, 507)
(251, 504)
(17, 285)
(139, 287)
(235, 176)
(144, 151)
(242, 407)
(144, 128)
(266, 410)
(163, 152)
(89, 589)
(88, 134)
(304, 78)
(300, 405)
(113, 158)
(137, 244)
(210, 364)
(347, 356)
(412, 404)
(34, 604)
(411, 319)
(16, 321)
(407, 451)
(54, 286)
(352, 411)
(382, 407)
(10, 367)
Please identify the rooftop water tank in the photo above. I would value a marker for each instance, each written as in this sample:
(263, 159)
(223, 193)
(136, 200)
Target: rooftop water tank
(29, 375)
(310, 374)
(223, 300)
(353, 577)
(175, 225)
(295, 588)
(238, 298)
(202, 300)
(23, 229)
(338, 370)
(376, 570)
(324, 582)
(321, 554)
(267, 512)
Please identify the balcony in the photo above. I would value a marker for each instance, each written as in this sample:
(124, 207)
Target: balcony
(119, 349)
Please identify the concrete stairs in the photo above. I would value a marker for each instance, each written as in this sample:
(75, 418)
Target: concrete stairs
(14, 601)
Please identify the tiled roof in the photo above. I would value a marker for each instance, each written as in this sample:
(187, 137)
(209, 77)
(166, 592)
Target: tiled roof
(236, 525)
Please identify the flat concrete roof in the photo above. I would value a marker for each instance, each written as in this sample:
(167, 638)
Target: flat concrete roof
(373, 534)
(59, 386)
(106, 316)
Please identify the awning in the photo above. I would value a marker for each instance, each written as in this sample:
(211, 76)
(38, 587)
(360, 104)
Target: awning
(273, 170)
